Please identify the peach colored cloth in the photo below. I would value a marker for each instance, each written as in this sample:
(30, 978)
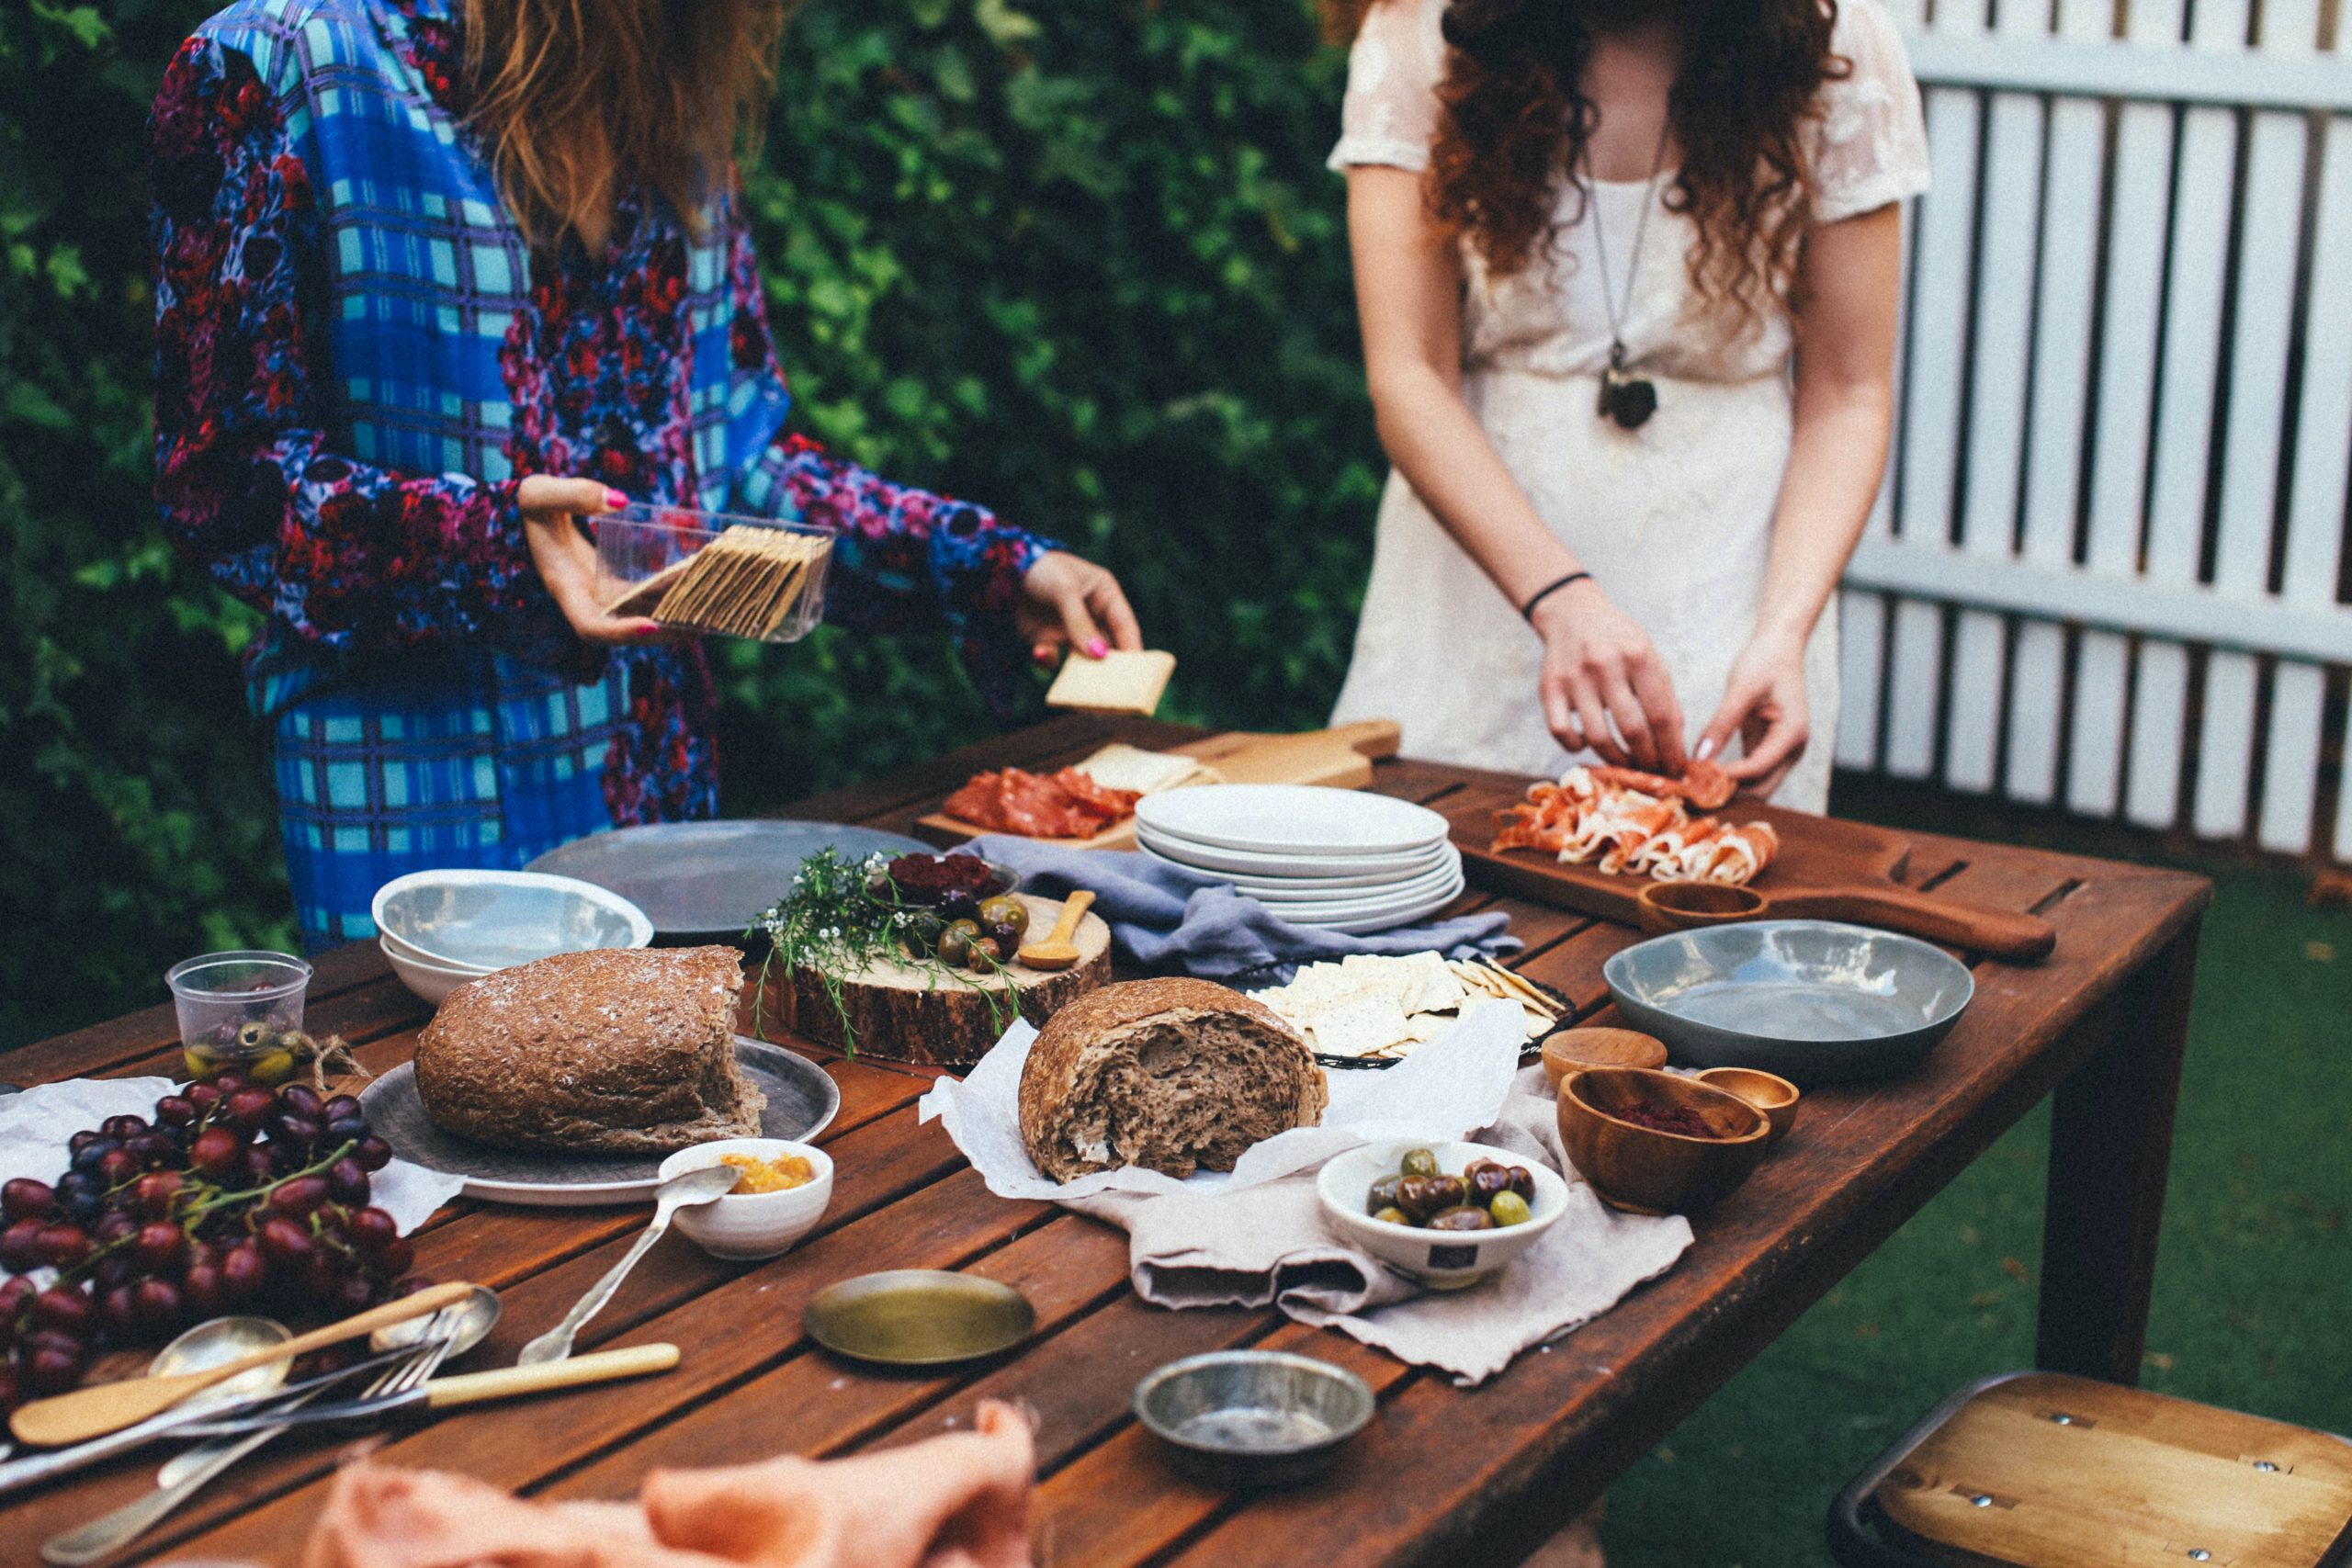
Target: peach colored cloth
(956, 1501)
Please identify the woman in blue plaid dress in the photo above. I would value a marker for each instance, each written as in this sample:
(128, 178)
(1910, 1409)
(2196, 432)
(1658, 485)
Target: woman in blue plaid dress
(419, 306)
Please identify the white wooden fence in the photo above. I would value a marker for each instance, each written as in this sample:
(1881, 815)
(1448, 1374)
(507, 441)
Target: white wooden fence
(2107, 571)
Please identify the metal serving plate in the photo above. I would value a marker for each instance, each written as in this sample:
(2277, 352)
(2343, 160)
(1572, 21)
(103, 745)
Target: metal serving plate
(802, 1101)
(1812, 1000)
(701, 881)
(919, 1317)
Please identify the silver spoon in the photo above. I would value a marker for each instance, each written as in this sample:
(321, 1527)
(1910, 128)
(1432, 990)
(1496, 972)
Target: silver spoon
(681, 1191)
(452, 1331)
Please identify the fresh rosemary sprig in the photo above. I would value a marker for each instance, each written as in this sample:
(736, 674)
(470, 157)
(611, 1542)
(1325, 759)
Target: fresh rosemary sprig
(829, 926)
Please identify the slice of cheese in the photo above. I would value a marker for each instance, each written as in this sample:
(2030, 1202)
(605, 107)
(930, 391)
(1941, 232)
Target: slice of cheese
(1116, 682)
(1121, 766)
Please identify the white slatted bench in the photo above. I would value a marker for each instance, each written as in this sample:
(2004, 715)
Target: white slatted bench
(2104, 572)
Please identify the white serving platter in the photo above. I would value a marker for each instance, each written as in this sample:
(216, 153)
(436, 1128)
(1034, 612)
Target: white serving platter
(1284, 867)
(1291, 819)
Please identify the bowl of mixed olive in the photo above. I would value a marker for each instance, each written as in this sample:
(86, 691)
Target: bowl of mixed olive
(957, 908)
(1445, 1213)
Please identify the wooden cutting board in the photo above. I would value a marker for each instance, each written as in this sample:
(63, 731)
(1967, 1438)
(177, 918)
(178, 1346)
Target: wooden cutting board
(1827, 870)
(1340, 759)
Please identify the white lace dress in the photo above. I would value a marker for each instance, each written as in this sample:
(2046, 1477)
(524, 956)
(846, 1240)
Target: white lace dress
(1674, 518)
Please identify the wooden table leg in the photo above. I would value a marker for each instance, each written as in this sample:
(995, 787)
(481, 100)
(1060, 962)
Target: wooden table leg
(2110, 1146)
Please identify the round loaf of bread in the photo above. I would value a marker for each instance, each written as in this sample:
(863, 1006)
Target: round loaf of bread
(1176, 1076)
(618, 1051)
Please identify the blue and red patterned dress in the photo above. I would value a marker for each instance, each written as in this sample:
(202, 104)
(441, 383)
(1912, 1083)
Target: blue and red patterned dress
(358, 359)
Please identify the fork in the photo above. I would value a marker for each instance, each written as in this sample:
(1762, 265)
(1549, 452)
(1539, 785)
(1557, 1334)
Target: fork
(184, 1474)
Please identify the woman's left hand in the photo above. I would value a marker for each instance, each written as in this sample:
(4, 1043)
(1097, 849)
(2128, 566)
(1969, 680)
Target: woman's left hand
(1067, 600)
(1764, 705)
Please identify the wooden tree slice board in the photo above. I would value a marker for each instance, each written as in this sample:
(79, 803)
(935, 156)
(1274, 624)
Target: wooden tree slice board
(1341, 758)
(897, 1012)
(1827, 870)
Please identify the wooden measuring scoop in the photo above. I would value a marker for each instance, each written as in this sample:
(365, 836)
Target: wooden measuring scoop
(1058, 951)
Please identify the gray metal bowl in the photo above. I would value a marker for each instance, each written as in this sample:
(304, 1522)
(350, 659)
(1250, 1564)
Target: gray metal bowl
(1253, 1417)
(1812, 1000)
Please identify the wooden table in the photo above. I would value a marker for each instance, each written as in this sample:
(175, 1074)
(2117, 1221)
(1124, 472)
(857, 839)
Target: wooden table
(1492, 1470)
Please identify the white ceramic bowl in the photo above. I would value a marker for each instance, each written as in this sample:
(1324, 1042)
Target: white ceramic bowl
(492, 919)
(431, 982)
(1445, 1260)
(745, 1225)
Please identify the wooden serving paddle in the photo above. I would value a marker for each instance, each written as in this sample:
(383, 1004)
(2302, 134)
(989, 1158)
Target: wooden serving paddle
(1827, 869)
(106, 1407)
(1058, 951)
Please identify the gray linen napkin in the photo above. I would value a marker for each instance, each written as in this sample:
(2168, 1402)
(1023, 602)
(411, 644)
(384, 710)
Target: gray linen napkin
(1268, 1246)
(1161, 914)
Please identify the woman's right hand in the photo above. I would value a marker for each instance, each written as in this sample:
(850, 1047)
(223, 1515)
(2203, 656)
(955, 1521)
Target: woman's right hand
(1603, 684)
(567, 561)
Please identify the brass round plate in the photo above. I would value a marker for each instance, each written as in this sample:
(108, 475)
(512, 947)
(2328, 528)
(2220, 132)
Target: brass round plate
(919, 1317)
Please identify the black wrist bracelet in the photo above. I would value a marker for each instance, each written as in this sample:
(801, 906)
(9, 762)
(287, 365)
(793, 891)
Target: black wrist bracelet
(1527, 611)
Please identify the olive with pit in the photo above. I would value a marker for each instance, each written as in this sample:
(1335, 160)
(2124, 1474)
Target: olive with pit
(956, 941)
(1461, 1217)
(1392, 1216)
(1421, 1196)
(1485, 1178)
(1417, 1162)
(921, 933)
(1006, 910)
(986, 952)
(1509, 1209)
(1382, 1195)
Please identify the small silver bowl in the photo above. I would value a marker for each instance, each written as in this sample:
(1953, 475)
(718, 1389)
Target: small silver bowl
(1253, 1417)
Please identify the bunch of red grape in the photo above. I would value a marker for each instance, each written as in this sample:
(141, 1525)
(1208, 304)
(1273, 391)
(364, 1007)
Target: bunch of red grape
(233, 1197)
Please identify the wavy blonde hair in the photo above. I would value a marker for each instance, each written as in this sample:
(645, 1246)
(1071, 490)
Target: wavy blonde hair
(580, 100)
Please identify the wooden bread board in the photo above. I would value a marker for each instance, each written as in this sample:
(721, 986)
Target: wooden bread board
(1827, 869)
(901, 1013)
(1340, 759)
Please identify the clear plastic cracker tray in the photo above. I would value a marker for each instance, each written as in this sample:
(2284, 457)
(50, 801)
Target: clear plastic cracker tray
(713, 571)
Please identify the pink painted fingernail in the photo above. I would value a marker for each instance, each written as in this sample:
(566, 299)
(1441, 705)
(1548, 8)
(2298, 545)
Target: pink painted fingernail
(648, 631)
(1097, 648)
(1706, 749)
(614, 499)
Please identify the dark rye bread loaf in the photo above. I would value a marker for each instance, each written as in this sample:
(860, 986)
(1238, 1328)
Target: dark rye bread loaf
(616, 1050)
(1176, 1076)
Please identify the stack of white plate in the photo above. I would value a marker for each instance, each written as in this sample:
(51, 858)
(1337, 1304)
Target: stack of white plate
(1338, 859)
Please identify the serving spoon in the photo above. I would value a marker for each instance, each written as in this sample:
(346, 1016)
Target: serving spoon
(683, 1190)
(106, 1407)
(1057, 950)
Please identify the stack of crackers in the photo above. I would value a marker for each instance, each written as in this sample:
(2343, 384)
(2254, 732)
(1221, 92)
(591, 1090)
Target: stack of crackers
(746, 583)
(1371, 1007)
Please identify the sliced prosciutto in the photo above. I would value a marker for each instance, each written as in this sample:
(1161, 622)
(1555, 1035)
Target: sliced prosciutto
(1065, 805)
(1624, 822)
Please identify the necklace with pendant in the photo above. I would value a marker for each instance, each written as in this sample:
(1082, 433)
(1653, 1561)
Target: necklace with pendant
(1628, 398)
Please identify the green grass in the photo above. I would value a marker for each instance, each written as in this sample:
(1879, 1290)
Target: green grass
(2251, 1308)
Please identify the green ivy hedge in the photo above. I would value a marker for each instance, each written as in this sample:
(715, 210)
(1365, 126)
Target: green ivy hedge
(1079, 261)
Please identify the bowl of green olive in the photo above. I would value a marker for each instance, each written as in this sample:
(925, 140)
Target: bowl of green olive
(1447, 1215)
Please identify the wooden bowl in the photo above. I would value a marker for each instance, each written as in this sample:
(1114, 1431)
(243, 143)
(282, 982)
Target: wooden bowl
(1642, 1169)
(1769, 1092)
(1566, 1050)
(1664, 906)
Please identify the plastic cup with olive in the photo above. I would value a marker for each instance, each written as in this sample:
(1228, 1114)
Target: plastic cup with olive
(1445, 1213)
(242, 1012)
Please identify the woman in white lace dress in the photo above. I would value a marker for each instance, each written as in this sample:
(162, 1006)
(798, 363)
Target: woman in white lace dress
(1588, 235)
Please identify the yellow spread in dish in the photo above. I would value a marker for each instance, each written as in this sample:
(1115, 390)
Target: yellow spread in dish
(778, 1174)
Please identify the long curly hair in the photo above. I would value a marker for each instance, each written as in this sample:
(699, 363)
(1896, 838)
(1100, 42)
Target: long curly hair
(1516, 120)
